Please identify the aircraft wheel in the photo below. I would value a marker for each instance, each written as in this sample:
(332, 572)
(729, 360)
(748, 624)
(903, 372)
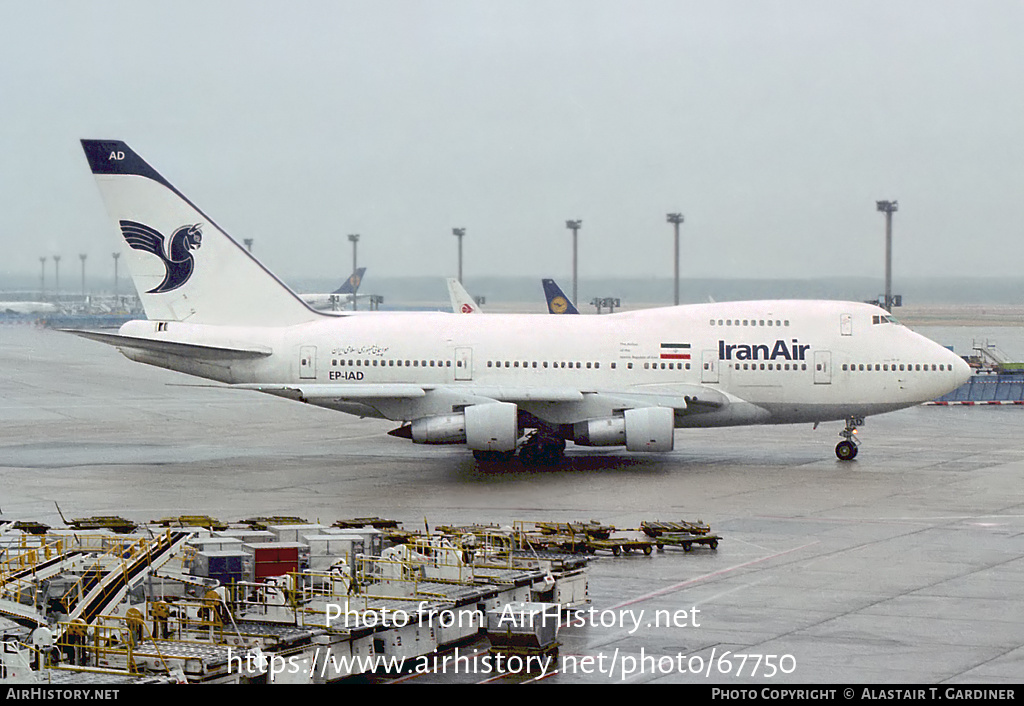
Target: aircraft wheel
(493, 456)
(846, 450)
(542, 452)
(529, 454)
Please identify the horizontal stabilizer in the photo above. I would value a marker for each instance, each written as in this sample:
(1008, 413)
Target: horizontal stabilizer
(189, 350)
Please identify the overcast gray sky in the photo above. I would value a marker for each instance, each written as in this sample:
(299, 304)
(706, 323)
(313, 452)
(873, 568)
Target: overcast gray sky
(772, 126)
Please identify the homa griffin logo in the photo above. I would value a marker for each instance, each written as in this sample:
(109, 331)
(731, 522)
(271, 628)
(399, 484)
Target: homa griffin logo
(176, 255)
(779, 351)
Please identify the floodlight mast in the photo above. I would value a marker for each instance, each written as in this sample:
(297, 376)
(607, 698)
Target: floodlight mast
(354, 239)
(574, 226)
(675, 219)
(115, 255)
(888, 208)
(459, 233)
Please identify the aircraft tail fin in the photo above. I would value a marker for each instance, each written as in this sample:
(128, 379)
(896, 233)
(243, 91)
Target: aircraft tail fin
(184, 266)
(558, 303)
(462, 302)
(352, 283)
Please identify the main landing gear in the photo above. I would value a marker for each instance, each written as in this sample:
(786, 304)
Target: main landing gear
(846, 450)
(541, 449)
(494, 456)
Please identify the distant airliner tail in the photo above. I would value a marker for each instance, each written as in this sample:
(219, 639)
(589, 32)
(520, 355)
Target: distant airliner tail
(462, 302)
(184, 266)
(558, 303)
(352, 283)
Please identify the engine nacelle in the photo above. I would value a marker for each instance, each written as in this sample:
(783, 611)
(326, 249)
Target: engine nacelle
(610, 431)
(482, 427)
(650, 429)
(645, 429)
(443, 429)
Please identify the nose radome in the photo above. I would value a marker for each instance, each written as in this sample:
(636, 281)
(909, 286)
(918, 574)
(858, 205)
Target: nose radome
(962, 371)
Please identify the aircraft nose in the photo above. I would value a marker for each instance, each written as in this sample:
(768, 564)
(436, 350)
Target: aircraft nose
(961, 371)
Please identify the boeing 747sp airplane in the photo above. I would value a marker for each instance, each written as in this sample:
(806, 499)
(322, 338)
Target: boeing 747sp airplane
(500, 382)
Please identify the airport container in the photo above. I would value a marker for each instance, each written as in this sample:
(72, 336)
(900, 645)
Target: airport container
(276, 558)
(373, 539)
(227, 578)
(294, 533)
(210, 543)
(523, 625)
(247, 535)
(327, 550)
(213, 563)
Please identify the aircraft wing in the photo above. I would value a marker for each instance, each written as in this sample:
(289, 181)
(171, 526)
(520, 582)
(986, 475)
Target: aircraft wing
(693, 399)
(321, 392)
(190, 350)
(404, 401)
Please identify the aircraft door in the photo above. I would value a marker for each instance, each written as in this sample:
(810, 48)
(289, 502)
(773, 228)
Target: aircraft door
(307, 362)
(846, 324)
(463, 363)
(709, 366)
(822, 367)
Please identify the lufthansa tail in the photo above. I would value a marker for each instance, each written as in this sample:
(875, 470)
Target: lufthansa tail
(558, 303)
(184, 266)
(352, 283)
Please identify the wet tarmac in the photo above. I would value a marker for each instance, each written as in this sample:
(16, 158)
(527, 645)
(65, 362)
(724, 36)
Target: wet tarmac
(905, 565)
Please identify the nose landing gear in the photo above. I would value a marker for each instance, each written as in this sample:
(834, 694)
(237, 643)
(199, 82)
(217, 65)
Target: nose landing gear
(846, 450)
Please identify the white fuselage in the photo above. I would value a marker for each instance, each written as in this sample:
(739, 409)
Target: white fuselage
(774, 362)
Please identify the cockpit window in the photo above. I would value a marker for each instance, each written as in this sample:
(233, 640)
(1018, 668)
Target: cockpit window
(884, 319)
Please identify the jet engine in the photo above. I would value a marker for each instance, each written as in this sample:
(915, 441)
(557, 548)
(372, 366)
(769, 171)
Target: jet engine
(482, 427)
(644, 429)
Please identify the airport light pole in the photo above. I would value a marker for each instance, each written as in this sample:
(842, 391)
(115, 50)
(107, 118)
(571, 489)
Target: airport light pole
(675, 219)
(888, 208)
(574, 226)
(248, 244)
(82, 257)
(56, 277)
(354, 239)
(459, 233)
(115, 256)
(42, 278)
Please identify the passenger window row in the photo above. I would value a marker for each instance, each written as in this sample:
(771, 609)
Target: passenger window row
(375, 362)
(770, 366)
(749, 322)
(886, 367)
(670, 366)
(545, 364)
